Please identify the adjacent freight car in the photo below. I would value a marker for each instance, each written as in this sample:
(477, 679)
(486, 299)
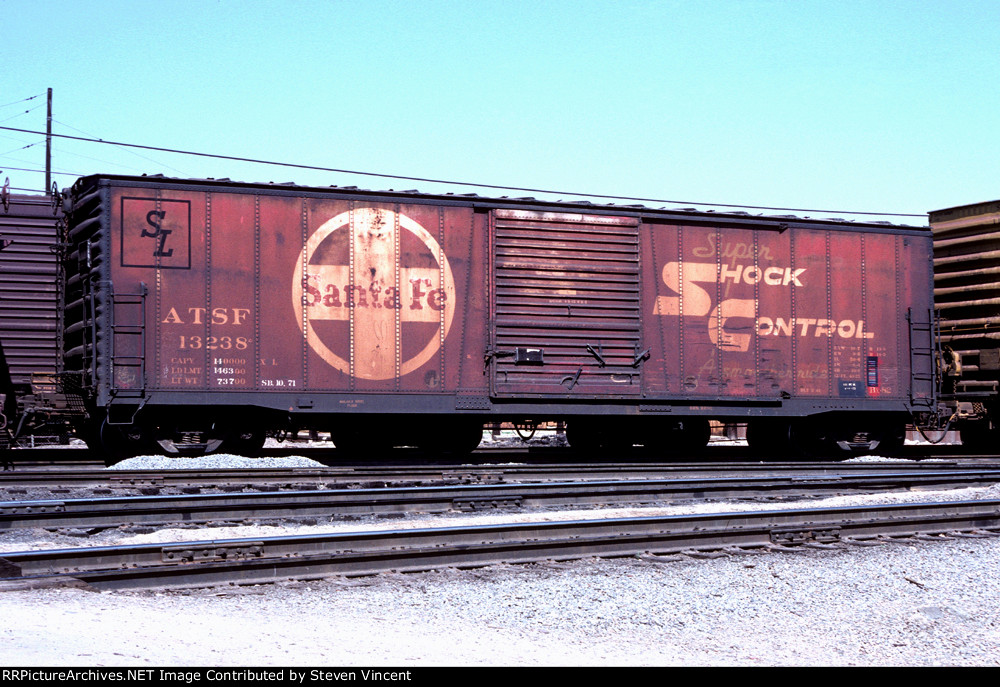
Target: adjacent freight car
(967, 295)
(31, 401)
(200, 314)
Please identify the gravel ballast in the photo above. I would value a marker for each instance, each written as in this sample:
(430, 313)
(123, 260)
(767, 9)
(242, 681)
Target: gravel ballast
(912, 603)
(893, 605)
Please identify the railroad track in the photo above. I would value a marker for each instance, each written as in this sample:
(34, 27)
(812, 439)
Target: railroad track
(262, 560)
(327, 503)
(150, 482)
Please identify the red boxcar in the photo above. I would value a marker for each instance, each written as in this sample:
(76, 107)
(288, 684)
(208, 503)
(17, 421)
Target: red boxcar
(203, 311)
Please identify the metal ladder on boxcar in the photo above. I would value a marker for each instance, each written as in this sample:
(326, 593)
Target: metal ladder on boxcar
(924, 378)
(128, 344)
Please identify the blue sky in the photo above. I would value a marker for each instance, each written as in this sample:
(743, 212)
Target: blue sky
(871, 106)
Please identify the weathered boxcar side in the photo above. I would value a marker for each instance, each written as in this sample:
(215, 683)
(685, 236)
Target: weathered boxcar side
(207, 311)
(688, 315)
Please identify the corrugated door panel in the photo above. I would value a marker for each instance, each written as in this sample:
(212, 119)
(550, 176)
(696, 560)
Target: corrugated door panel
(566, 304)
(29, 293)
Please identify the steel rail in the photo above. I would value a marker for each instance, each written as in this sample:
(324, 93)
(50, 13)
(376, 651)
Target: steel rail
(365, 475)
(112, 512)
(241, 507)
(254, 561)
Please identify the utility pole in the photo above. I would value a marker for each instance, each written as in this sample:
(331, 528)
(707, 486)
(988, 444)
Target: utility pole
(48, 147)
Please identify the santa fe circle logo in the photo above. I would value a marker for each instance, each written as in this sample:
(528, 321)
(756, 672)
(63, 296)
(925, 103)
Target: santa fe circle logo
(373, 290)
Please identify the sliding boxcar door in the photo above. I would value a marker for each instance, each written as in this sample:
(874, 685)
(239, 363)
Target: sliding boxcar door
(566, 306)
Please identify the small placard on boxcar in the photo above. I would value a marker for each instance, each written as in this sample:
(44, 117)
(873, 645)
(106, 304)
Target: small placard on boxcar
(851, 388)
(529, 356)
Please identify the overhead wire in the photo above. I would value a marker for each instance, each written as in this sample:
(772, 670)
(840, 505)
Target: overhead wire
(23, 100)
(87, 133)
(461, 183)
(40, 171)
(20, 114)
(23, 147)
(97, 159)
